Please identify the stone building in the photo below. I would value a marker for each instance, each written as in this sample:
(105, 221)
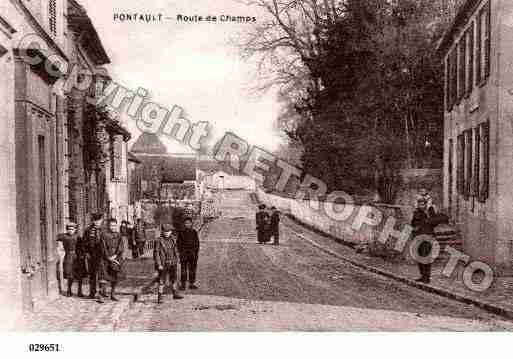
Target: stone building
(50, 58)
(477, 52)
(32, 39)
(85, 183)
(165, 175)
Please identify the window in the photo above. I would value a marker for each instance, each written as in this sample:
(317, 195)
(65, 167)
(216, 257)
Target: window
(484, 182)
(462, 70)
(116, 164)
(448, 104)
(468, 163)
(461, 165)
(450, 172)
(452, 78)
(483, 44)
(477, 158)
(52, 16)
(470, 61)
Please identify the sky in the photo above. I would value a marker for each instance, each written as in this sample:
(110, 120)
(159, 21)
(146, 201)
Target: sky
(191, 65)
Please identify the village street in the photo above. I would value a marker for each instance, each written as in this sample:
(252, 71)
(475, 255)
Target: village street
(248, 286)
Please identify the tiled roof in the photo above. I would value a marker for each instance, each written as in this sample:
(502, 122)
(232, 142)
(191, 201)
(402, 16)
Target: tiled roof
(172, 169)
(148, 143)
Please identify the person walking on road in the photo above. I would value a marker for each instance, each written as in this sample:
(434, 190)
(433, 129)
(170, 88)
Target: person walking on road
(113, 249)
(139, 236)
(188, 248)
(424, 222)
(94, 249)
(275, 225)
(262, 224)
(166, 261)
(73, 263)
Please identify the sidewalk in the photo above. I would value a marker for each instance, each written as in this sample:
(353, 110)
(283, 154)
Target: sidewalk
(498, 299)
(83, 314)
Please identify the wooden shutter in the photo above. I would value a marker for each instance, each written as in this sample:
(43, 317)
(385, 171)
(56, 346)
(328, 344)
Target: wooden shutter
(485, 162)
(470, 54)
(52, 16)
(479, 44)
(469, 164)
(448, 104)
(487, 42)
(450, 172)
(477, 159)
(118, 157)
(461, 165)
(462, 69)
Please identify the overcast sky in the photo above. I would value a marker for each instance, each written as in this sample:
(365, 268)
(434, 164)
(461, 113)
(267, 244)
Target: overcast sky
(188, 64)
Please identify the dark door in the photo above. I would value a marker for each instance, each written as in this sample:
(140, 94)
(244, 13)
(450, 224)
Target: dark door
(43, 212)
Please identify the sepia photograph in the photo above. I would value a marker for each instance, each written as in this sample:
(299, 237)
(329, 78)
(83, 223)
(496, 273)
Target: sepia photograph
(255, 166)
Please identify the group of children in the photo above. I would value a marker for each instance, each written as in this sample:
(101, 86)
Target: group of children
(268, 225)
(99, 255)
(175, 246)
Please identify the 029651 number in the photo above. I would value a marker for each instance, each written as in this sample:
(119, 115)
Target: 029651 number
(44, 347)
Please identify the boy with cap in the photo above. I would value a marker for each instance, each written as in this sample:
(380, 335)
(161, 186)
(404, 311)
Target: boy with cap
(73, 262)
(166, 261)
(93, 244)
(188, 247)
(113, 248)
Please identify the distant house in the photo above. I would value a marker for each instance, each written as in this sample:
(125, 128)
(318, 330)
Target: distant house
(165, 175)
(477, 52)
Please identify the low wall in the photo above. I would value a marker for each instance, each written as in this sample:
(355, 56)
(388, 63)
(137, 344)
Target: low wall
(366, 236)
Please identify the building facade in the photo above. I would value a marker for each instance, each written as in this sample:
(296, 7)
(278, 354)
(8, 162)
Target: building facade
(477, 52)
(32, 39)
(50, 58)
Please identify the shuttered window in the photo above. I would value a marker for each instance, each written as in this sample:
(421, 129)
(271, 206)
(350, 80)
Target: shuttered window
(52, 16)
(487, 39)
(470, 55)
(462, 68)
(468, 163)
(450, 172)
(483, 44)
(477, 161)
(448, 105)
(461, 165)
(116, 157)
(484, 187)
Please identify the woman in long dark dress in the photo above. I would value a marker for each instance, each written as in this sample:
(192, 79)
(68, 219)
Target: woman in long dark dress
(74, 262)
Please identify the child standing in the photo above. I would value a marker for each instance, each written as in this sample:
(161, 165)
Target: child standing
(166, 260)
(188, 247)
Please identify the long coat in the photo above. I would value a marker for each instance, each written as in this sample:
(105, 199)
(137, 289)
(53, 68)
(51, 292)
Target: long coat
(424, 223)
(113, 246)
(188, 244)
(74, 266)
(165, 252)
(93, 242)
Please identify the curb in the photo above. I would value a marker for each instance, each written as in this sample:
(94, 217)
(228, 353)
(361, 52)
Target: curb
(489, 307)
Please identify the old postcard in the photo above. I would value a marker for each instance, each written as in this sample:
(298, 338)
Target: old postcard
(256, 165)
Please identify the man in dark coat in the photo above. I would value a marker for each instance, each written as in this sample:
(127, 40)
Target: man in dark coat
(73, 266)
(188, 248)
(94, 245)
(424, 222)
(166, 261)
(275, 225)
(113, 257)
(139, 235)
(262, 224)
